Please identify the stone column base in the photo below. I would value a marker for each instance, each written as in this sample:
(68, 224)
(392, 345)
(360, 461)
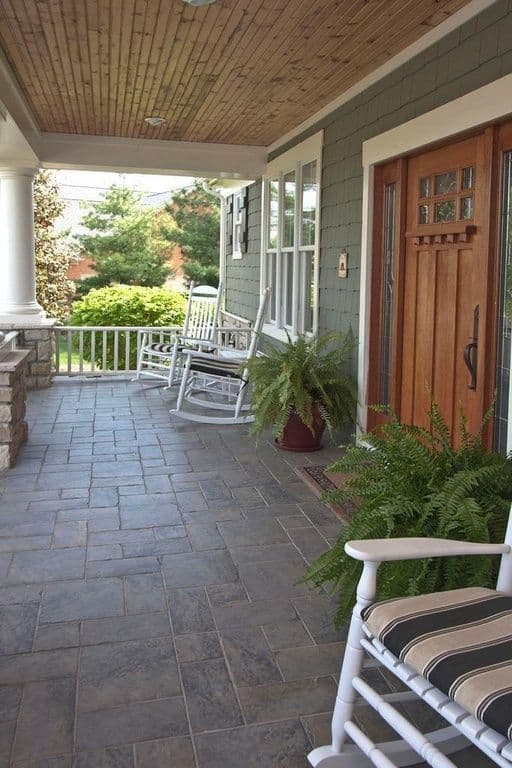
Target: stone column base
(39, 340)
(13, 427)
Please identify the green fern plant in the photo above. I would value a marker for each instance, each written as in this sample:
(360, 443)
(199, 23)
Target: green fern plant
(408, 481)
(298, 374)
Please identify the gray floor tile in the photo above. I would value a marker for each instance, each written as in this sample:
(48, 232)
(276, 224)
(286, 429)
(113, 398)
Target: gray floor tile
(265, 553)
(190, 611)
(52, 636)
(47, 565)
(144, 593)
(44, 665)
(122, 567)
(10, 700)
(131, 723)
(317, 611)
(273, 578)
(91, 599)
(278, 744)
(124, 628)
(210, 695)
(274, 701)
(17, 627)
(127, 672)
(165, 753)
(46, 721)
(198, 647)
(70, 534)
(254, 532)
(249, 657)
(174, 546)
(112, 757)
(225, 594)
(205, 536)
(198, 568)
(287, 634)
(149, 513)
(254, 613)
(311, 661)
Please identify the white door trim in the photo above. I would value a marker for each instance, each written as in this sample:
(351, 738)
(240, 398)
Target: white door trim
(487, 104)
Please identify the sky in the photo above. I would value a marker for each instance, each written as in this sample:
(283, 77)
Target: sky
(78, 187)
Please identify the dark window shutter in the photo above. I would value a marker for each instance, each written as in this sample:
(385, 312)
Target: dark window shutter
(244, 222)
(229, 225)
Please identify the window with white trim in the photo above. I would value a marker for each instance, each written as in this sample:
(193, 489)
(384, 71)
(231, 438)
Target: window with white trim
(290, 247)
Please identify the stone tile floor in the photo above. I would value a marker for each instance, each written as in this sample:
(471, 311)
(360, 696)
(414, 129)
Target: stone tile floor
(150, 610)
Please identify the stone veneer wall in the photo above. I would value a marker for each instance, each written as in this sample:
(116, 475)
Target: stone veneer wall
(13, 427)
(39, 341)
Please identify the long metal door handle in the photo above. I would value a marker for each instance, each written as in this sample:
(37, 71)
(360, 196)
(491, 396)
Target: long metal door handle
(471, 360)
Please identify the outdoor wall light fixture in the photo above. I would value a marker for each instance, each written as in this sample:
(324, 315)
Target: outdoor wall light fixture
(155, 121)
(200, 2)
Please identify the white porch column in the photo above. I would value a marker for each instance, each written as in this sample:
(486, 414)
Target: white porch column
(17, 255)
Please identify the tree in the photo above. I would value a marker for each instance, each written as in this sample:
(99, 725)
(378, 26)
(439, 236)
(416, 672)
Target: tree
(124, 240)
(195, 227)
(53, 251)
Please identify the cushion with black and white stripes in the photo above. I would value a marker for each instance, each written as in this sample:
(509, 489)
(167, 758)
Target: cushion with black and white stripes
(217, 367)
(166, 349)
(459, 640)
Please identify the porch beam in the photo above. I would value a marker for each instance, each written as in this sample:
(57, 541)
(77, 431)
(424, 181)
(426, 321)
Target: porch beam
(179, 158)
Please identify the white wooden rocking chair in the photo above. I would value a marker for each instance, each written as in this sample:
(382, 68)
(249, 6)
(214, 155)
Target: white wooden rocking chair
(219, 380)
(452, 649)
(163, 359)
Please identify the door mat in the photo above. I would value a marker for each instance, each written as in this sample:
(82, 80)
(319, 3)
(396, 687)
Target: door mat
(321, 481)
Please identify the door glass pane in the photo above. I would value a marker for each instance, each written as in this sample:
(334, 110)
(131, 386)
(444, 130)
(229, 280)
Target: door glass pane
(444, 183)
(288, 288)
(466, 208)
(273, 212)
(425, 187)
(423, 214)
(505, 313)
(309, 290)
(444, 211)
(289, 210)
(309, 200)
(468, 178)
(386, 321)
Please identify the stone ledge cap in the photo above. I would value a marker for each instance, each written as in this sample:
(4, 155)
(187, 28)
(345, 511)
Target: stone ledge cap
(14, 360)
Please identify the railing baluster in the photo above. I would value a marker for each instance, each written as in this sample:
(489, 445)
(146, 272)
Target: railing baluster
(127, 335)
(93, 351)
(69, 349)
(57, 350)
(104, 353)
(116, 350)
(81, 350)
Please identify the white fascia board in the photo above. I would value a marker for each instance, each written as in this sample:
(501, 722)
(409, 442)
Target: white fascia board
(13, 103)
(430, 38)
(15, 150)
(177, 158)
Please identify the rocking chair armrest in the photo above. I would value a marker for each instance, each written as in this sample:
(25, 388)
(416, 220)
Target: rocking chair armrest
(195, 342)
(386, 550)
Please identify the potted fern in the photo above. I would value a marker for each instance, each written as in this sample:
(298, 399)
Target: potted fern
(301, 388)
(403, 480)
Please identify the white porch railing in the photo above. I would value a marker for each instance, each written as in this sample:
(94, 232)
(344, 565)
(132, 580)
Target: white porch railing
(113, 350)
(7, 343)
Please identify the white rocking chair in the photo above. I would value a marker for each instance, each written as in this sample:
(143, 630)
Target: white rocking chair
(452, 649)
(218, 380)
(163, 359)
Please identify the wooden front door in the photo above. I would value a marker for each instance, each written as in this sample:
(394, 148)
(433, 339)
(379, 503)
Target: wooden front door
(432, 282)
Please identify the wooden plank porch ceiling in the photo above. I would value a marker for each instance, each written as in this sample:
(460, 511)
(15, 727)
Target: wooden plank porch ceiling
(236, 72)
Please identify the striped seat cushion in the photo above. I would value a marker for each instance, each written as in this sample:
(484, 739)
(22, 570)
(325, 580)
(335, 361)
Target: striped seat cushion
(460, 640)
(217, 367)
(166, 349)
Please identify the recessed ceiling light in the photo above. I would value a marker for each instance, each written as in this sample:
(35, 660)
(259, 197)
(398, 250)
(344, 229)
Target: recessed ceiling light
(154, 121)
(200, 2)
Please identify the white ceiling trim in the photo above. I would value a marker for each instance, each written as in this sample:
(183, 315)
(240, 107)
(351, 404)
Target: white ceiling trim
(430, 38)
(178, 158)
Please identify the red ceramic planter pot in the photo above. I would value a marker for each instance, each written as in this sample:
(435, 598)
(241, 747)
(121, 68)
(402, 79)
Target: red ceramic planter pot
(298, 437)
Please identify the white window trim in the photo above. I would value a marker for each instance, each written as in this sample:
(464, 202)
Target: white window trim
(307, 151)
(483, 106)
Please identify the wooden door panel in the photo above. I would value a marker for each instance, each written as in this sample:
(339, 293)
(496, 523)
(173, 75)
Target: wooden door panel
(424, 302)
(445, 331)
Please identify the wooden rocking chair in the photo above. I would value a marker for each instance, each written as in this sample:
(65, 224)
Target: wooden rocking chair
(452, 649)
(163, 359)
(218, 380)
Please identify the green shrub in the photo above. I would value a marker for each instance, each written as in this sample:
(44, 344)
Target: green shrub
(408, 481)
(126, 305)
(202, 274)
